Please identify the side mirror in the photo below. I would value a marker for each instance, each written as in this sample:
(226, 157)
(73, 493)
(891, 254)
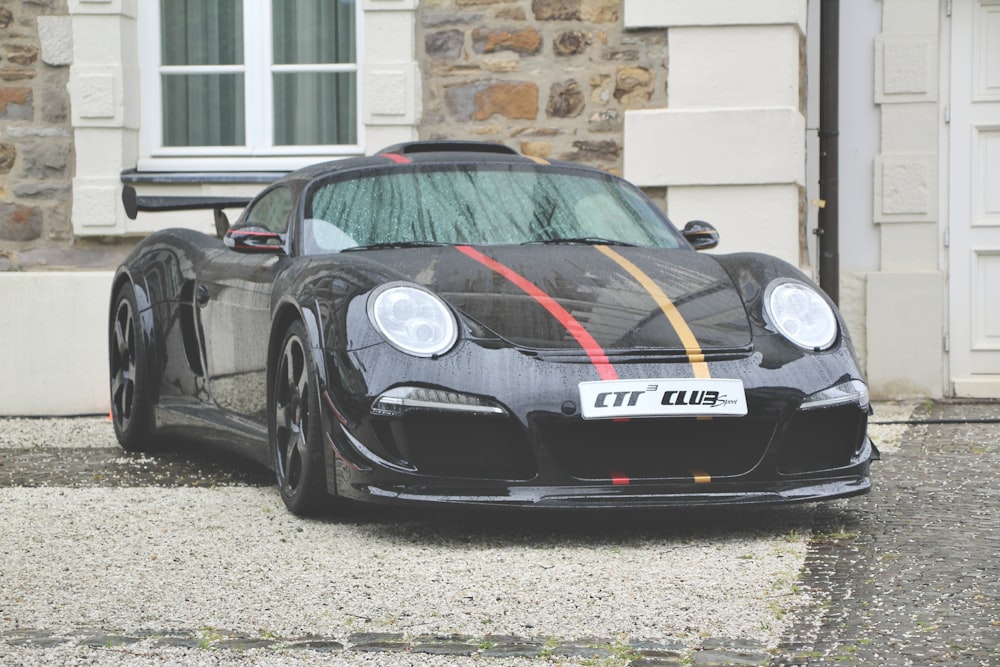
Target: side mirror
(221, 223)
(701, 235)
(255, 239)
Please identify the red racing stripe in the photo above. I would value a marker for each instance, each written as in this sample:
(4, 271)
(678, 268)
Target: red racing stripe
(593, 349)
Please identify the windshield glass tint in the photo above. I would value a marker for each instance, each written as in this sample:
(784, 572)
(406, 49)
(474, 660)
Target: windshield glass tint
(479, 205)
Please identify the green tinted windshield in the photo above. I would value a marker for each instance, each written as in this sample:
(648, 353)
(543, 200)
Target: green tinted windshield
(481, 205)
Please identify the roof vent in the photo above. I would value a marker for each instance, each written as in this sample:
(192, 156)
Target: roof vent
(448, 147)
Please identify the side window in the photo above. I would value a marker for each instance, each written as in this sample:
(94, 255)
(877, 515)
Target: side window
(272, 211)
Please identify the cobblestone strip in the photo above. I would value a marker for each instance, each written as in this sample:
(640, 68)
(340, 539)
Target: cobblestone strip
(912, 577)
(592, 651)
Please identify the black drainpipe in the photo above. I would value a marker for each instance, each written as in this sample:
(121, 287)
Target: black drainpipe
(829, 151)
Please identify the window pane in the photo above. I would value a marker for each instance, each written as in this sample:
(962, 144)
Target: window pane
(315, 108)
(309, 32)
(203, 110)
(201, 32)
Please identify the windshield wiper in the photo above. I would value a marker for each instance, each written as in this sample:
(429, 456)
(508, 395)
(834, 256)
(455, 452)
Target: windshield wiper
(581, 240)
(398, 244)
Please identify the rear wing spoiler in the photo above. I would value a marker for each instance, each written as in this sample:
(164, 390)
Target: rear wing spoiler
(134, 203)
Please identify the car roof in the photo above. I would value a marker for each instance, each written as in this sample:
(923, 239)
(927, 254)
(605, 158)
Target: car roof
(429, 152)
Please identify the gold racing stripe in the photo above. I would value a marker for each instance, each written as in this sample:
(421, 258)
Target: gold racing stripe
(691, 347)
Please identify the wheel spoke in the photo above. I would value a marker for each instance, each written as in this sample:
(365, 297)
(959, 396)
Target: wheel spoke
(290, 367)
(121, 342)
(282, 416)
(293, 462)
(122, 390)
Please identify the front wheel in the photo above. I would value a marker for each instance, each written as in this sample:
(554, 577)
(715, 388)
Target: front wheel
(295, 427)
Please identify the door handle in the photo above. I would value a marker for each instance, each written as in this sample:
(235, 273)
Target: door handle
(201, 295)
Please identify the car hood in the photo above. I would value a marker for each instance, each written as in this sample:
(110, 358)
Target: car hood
(610, 302)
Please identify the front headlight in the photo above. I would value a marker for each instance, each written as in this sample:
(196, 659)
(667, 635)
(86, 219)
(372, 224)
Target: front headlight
(412, 319)
(799, 314)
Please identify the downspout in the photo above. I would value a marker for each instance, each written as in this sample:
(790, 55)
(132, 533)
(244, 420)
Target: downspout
(829, 151)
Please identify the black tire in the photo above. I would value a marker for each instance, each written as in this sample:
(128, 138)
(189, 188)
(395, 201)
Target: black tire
(296, 428)
(129, 381)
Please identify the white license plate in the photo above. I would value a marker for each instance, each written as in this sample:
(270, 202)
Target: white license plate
(685, 397)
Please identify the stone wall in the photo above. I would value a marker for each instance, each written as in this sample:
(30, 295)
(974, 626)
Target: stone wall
(550, 78)
(36, 142)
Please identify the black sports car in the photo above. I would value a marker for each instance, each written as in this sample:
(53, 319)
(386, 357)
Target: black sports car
(452, 322)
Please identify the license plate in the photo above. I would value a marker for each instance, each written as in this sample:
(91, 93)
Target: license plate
(685, 397)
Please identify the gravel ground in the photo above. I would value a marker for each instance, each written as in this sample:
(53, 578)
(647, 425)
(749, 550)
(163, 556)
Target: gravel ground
(149, 562)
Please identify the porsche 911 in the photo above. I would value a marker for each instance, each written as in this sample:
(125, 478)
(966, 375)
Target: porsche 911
(453, 322)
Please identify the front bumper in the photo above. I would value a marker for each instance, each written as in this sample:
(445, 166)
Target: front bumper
(614, 497)
(776, 454)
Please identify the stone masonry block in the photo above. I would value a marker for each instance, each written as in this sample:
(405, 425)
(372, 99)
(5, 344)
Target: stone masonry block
(905, 188)
(671, 13)
(46, 159)
(605, 150)
(735, 66)
(444, 44)
(21, 54)
(479, 100)
(601, 11)
(56, 36)
(566, 100)
(19, 223)
(16, 103)
(389, 93)
(95, 95)
(594, 11)
(665, 147)
(906, 68)
(16, 74)
(514, 100)
(527, 41)
(557, 10)
(570, 43)
(8, 154)
(96, 206)
(634, 85)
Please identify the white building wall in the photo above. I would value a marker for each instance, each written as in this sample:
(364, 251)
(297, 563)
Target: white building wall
(62, 369)
(730, 147)
(55, 359)
(859, 140)
(734, 90)
(905, 296)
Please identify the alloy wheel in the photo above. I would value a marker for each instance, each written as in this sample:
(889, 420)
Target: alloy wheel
(123, 364)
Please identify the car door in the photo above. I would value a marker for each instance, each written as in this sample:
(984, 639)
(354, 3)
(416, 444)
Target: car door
(234, 301)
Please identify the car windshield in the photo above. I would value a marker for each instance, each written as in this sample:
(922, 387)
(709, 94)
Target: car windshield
(485, 204)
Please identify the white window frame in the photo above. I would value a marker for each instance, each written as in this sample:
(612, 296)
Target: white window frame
(259, 153)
